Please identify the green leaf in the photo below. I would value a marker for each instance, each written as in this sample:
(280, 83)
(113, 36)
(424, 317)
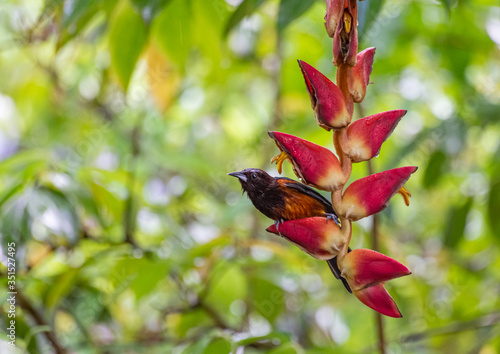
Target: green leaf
(127, 37)
(149, 8)
(246, 8)
(290, 10)
(219, 346)
(227, 286)
(267, 298)
(455, 225)
(61, 287)
(209, 15)
(434, 169)
(25, 165)
(33, 331)
(16, 225)
(448, 4)
(494, 207)
(50, 8)
(77, 9)
(46, 198)
(106, 201)
(287, 348)
(180, 324)
(9, 192)
(172, 30)
(278, 337)
(83, 197)
(148, 277)
(207, 248)
(76, 15)
(140, 275)
(86, 304)
(367, 14)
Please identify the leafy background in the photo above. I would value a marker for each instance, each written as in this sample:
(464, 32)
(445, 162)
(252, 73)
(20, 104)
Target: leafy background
(120, 119)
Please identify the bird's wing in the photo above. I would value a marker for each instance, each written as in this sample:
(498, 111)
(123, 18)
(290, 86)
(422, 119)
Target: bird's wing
(302, 188)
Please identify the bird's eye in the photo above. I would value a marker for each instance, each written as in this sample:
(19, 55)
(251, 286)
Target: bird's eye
(253, 176)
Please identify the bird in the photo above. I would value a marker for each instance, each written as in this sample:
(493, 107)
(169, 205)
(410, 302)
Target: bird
(283, 199)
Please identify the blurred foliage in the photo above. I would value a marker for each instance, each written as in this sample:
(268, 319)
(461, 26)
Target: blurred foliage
(119, 120)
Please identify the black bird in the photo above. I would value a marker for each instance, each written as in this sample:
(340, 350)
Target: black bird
(282, 199)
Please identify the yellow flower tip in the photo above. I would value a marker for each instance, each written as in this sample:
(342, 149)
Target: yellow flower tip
(406, 195)
(282, 157)
(347, 22)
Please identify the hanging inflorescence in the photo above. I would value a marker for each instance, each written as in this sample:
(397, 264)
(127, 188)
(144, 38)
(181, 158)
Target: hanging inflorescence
(365, 270)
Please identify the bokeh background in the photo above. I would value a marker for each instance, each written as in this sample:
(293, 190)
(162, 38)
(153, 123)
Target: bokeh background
(119, 120)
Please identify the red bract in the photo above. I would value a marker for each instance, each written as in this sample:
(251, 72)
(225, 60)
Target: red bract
(318, 236)
(361, 74)
(377, 298)
(345, 39)
(366, 135)
(334, 9)
(363, 267)
(365, 271)
(313, 164)
(326, 98)
(371, 194)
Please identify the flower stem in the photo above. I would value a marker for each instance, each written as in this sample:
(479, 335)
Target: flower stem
(345, 161)
(343, 73)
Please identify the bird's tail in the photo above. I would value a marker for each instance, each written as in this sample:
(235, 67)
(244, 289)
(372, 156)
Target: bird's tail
(332, 263)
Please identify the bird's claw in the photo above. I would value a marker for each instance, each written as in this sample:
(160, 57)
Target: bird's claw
(334, 217)
(277, 223)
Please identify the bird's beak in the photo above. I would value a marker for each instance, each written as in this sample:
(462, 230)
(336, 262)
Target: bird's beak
(240, 175)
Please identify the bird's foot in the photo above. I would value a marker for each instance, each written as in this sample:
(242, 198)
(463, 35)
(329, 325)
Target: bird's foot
(334, 217)
(277, 223)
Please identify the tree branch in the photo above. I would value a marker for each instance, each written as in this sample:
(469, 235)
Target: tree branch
(40, 321)
(128, 213)
(489, 320)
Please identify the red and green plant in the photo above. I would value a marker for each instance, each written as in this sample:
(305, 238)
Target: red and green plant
(365, 270)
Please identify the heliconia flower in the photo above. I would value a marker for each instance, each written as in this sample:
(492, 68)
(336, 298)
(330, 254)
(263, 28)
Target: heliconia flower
(318, 236)
(365, 136)
(365, 271)
(371, 194)
(326, 99)
(377, 298)
(345, 39)
(361, 74)
(334, 9)
(313, 164)
(364, 267)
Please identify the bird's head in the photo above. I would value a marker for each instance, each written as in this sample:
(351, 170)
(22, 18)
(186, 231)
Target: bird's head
(253, 179)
